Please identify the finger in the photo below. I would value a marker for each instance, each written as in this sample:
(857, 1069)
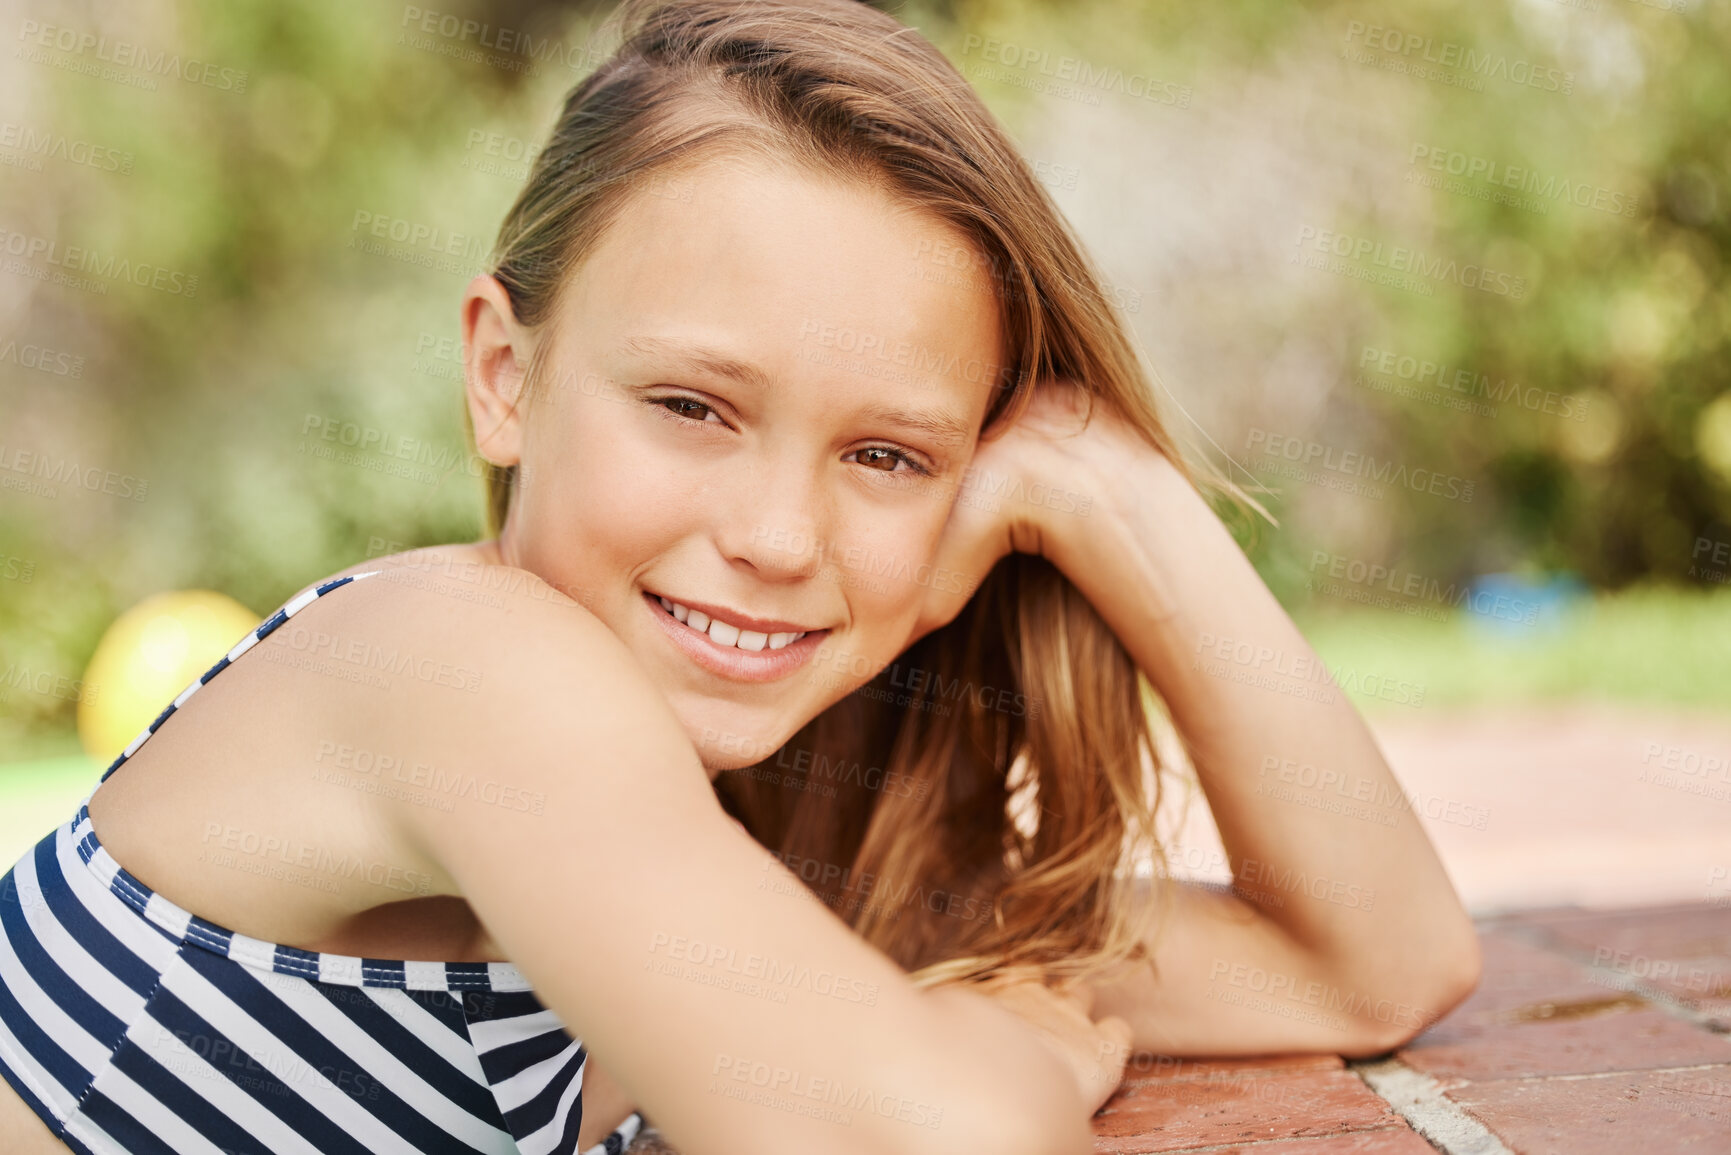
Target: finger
(966, 552)
(974, 536)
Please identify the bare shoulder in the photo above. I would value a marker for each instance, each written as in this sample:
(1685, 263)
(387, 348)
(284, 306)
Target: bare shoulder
(450, 568)
(436, 658)
(482, 697)
(421, 689)
(443, 619)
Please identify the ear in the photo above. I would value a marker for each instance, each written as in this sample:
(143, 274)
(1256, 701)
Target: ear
(496, 351)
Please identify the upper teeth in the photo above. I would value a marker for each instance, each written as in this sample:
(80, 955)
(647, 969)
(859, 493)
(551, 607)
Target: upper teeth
(724, 634)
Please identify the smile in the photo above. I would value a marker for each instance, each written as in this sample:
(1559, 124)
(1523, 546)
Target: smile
(744, 649)
(724, 633)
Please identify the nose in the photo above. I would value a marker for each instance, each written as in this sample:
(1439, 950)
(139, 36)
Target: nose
(776, 518)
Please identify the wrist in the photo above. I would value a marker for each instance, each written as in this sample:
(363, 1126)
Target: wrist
(1124, 494)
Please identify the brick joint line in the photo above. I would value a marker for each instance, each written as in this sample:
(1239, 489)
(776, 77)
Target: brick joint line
(1617, 980)
(1581, 1076)
(1419, 1100)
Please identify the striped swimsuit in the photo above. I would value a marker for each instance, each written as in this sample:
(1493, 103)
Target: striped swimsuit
(135, 1028)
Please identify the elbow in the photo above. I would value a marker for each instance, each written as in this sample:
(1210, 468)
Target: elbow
(1453, 982)
(1391, 1024)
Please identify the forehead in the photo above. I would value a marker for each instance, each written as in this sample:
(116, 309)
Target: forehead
(804, 275)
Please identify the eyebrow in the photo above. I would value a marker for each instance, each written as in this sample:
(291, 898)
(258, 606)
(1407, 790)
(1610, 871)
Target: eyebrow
(941, 425)
(702, 358)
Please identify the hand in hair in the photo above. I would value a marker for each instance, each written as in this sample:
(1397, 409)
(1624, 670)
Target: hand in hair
(1022, 478)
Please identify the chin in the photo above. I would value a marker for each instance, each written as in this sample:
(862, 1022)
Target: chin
(715, 761)
(725, 741)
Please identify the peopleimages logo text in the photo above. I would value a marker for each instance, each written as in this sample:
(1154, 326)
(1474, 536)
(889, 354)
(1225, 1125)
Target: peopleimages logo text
(1451, 54)
(1401, 259)
(27, 247)
(127, 54)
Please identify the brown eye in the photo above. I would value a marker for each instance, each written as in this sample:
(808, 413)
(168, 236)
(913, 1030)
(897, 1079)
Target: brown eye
(673, 402)
(882, 453)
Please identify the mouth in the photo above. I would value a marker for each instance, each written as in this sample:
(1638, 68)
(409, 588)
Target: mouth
(737, 652)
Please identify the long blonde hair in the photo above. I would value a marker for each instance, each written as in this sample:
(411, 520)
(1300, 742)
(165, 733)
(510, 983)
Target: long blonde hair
(1028, 692)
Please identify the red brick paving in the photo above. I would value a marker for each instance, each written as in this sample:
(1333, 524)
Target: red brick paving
(1612, 1114)
(1516, 975)
(1617, 1039)
(1683, 951)
(1554, 1055)
(1239, 1101)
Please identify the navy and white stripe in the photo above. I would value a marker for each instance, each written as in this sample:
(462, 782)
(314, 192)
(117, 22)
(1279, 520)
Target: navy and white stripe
(133, 1027)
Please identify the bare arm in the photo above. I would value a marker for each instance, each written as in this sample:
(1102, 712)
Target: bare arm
(1342, 932)
(628, 895)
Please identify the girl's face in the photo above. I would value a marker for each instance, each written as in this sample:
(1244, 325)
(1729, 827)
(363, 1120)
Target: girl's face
(761, 394)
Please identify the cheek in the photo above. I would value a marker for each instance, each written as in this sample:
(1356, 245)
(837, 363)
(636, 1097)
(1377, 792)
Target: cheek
(887, 559)
(591, 510)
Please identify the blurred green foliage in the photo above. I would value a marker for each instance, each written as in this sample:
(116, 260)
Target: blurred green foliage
(222, 400)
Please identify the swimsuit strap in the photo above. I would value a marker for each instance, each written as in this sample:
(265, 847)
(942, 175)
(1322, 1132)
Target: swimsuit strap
(321, 966)
(502, 981)
(258, 635)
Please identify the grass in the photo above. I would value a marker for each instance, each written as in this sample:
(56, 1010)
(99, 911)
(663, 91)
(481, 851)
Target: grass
(37, 796)
(1649, 645)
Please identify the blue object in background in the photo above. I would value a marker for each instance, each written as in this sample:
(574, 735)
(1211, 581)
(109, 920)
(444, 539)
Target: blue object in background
(1508, 604)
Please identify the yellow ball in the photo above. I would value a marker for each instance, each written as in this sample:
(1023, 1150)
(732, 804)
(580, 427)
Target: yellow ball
(149, 655)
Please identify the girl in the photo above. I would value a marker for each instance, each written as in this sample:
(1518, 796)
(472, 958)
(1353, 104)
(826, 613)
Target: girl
(834, 516)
